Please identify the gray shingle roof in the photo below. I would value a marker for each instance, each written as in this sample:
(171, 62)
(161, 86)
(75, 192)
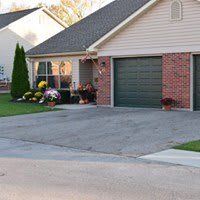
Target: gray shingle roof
(8, 18)
(83, 34)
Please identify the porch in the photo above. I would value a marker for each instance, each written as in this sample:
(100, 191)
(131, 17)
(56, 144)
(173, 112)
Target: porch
(64, 73)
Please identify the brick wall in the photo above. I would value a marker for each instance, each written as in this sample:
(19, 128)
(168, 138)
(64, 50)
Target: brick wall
(176, 78)
(104, 82)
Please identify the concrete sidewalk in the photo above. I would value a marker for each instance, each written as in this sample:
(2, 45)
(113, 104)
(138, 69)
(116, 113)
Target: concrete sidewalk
(178, 157)
(75, 106)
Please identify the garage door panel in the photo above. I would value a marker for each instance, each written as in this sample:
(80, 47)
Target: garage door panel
(197, 82)
(128, 76)
(138, 82)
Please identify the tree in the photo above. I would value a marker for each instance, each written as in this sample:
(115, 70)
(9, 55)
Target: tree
(72, 11)
(15, 7)
(20, 80)
(25, 70)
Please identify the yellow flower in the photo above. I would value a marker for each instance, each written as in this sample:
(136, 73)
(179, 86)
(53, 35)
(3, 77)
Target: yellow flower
(42, 84)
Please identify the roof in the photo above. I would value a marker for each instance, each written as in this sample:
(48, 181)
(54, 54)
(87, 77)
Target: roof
(8, 18)
(80, 36)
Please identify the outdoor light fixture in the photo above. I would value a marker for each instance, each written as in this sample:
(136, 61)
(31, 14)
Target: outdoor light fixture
(103, 64)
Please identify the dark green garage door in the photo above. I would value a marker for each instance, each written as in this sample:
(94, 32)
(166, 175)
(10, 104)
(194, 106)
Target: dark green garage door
(197, 82)
(138, 82)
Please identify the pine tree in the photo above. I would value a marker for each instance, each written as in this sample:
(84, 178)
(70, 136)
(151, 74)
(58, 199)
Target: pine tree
(20, 81)
(25, 71)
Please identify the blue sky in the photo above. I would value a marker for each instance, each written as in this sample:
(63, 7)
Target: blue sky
(5, 4)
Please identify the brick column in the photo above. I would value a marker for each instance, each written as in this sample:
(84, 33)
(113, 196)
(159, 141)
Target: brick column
(104, 82)
(176, 78)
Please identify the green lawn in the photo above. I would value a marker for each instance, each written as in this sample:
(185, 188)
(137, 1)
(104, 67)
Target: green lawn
(191, 146)
(8, 108)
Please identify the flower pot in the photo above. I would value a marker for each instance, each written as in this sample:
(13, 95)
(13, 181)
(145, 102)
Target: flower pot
(167, 107)
(51, 104)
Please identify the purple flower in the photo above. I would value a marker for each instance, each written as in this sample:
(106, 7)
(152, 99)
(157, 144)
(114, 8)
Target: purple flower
(52, 95)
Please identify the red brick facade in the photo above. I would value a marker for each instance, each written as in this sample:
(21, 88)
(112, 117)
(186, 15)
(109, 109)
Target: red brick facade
(104, 82)
(176, 78)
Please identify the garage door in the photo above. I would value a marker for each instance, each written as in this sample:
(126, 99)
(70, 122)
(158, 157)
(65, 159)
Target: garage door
(197, 82)
(138, 82)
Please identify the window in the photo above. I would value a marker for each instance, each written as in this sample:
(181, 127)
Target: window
(1, 70)
(57, 74)
(41, 19)
(176, 10)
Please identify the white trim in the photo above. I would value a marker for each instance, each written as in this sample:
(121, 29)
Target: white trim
(121, 25)
(57, 54)
(3, 28)
(54, 17)
(138, 56)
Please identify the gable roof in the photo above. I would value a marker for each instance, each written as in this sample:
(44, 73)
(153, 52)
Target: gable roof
(80, 36)
(8, 18)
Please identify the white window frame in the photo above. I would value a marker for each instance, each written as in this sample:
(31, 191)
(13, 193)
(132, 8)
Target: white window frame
(50, 75)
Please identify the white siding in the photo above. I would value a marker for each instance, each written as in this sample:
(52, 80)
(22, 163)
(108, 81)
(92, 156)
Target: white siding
(8, 40)
(75, 72)
(155, 33)
(37, 27)
(85, 72)
(95, 75)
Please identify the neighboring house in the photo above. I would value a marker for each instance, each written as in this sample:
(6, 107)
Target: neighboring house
(148, 49)
(29, 28)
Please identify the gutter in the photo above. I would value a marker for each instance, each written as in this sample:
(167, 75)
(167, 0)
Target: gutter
(56, 54)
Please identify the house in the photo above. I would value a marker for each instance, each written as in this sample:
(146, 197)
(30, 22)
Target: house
(29, 28)
(146, 50)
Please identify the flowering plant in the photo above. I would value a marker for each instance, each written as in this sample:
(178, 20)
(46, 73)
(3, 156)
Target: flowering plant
(42, 85)
(167, 101)
(52, 95)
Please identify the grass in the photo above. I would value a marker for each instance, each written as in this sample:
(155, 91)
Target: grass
(8, 108)
(191, 146)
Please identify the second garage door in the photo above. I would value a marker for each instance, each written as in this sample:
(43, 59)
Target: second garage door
(138, 82)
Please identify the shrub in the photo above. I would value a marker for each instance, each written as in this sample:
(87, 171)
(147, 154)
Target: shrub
(38, 95)
(28, 95)
(20, 80)
(65, 96)
(34, 91)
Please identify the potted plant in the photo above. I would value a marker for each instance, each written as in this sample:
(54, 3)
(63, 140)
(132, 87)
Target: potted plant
(87, 93)
(52, 96)
(167, 103)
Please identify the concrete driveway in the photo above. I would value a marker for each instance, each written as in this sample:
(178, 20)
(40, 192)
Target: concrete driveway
(128, 132)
